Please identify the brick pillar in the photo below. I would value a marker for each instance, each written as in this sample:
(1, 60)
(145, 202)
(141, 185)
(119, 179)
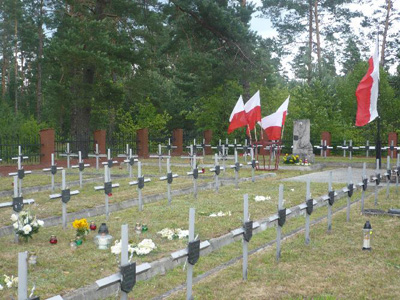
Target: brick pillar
(100, 138)
(392, 137)
(326, 136)
(142, 143)
(177, 140)
(207, 140)
(47, 141)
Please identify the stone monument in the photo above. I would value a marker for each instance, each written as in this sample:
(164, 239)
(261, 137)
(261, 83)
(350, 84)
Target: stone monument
(301, 140)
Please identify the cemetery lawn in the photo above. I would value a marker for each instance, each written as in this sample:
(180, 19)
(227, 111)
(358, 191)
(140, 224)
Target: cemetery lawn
(60, 270)
(333, 266)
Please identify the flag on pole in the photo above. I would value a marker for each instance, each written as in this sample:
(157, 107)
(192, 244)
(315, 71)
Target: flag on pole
(238, 116)
(272, 124)
(367, 91)
(253, 110)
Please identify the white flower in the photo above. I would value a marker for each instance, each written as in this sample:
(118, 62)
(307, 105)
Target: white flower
(40, 223)
(260, 198)
(15, 225)
(14, 218)
(1, 287)
(213, 215)
(292, 190)
(116, 249)
(27, 229)
(144, 247)
(182, 233)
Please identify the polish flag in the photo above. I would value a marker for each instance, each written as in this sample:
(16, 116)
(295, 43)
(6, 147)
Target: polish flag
(273, 123)
(367, 91)
(253, 110)
(238, 116)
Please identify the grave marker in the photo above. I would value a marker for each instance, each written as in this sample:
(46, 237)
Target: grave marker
(169, 178)
(140, 183)
(53, 169)
(309, 207)
(128, 271)
(195, 173)
(364, 185)
(253, 164)
(217, 170)
(109, 161)
(160, 157)
(81, 165)
(65, 197)
(281, 217)
(203, 146)
(236, 167)
(192, 154)
(367, 148)
(349, 148)
(20, 171)
(324, 148)
(130, 161)
(331, 200)
(169, 147)
(349, 190)
(23, 278)
(377, 180)
(388, 175)
(107, 187)
(97, 155)
(68, 154)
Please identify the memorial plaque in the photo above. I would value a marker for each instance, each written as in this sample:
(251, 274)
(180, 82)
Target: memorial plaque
(282, 217)
(217, 170)
(53, 170)
(195, 173)
(351, 189)
(128, 277)
(65, 195)
(388, 174)
(248, 230)
(253, 164)
(21, 173)
(237, 167)
(141, 182)
(310, 206)
(18, 204)
(169, 178)
(108, 188)
(110, 163)
(296, 137)
(81, 166)
(331, 197)
(378, 179)
(193, 252)
(131, 161)
(365, 184)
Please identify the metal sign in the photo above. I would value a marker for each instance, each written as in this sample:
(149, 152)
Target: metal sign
(81, 166)
(217, 170)
(21, 173)
(18, 204)
(398, 171)
(310, 206)
(365, 184)
(195, 173)
(53, 170)
(169, 178)
(331, 197)
(128, 277)
(248, 230)
(193, 252)
(110, 163)
(388, 174)
(107, 188)
(253, 163)
(65, 195)
(282, 217)
(141, 182)
(132, 161)
(237, 167)
(378, 179)
(351, 190)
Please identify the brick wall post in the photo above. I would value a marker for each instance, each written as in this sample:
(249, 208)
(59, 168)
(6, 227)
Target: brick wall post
(392, 137)
(326, 136)
(207, 140)
(143, 142)
(177, 140)
(47, 145)
(100, 139)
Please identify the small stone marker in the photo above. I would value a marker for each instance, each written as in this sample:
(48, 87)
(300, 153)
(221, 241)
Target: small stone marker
(140, 183)
(68, 154)
(236, 167)
(81, 165)
(53, 169)
(377, 180)
(169, 178)
(21, 171)
(109, 161)
(160, 157)
(128, 271)
(217, 170)
(107, 187)
(195, 173)
(65, 197)
(253, 164)
(130, 161)
(97, 155)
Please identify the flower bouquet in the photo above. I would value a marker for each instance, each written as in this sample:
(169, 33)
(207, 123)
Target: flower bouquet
(82, 228)
(143, 248)
(174, 233)
(9, 281)
(26, 224)
(291, 159)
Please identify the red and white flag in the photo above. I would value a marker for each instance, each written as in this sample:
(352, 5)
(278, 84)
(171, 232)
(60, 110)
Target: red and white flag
(253, 110)
(238, 116)
(367, 91)
(272, 124)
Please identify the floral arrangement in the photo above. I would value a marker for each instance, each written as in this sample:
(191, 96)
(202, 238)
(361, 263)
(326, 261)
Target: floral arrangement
(291, 159)
(174, 234)
(262, 198)
(25, 224)
(82, 227)
(220, 214)
(9, 281)
(143, 248)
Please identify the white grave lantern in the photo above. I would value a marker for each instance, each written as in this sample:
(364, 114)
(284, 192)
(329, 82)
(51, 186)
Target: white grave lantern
(103, 239)
(367, 234)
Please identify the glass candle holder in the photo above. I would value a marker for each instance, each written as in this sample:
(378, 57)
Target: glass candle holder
(53, 240)
(92, 226)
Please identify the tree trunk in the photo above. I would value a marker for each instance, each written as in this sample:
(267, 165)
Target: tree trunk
(310, 40)
(385, 32)
(39, 65)
(318, 36)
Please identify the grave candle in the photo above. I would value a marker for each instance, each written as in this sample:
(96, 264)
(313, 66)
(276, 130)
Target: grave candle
(367, 232)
